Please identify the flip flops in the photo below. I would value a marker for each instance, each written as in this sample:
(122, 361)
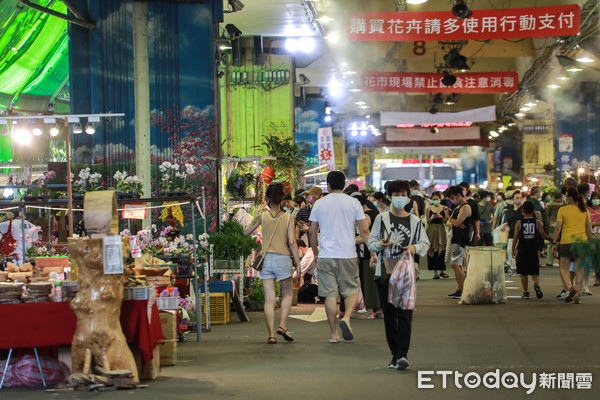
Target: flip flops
(284, 333)
(346, 331)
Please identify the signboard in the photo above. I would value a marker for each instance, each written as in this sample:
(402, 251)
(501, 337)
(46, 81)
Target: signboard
(113, 255)
(134, 211)
(364, 161)
(425, 135)
(326, 155)
(497, 161)
(313, 160)
(516, 23)
(277, 127)
(565, 143)
(566, 161)
(414, 82)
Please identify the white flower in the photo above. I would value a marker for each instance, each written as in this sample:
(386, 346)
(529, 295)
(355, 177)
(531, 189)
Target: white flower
(120, 175)
(163, 241)
(179, 175)
(189, 169)
(134, 179)
(166, 177)
(84, 173)
(175, 167)
(165, 165)
(189, 237)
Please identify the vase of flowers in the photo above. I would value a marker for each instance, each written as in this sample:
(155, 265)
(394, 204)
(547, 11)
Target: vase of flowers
(128, 186)
(174, 180)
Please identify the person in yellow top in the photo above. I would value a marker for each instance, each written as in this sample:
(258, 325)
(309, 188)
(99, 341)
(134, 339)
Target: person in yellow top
(572, 224)
(279, 230)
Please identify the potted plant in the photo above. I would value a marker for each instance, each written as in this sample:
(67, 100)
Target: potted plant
(128, 186)
(229, 244)
(88, 182)
(174, 180)
(239, 184)
(256, 296)
(38, 191)
(288, 156)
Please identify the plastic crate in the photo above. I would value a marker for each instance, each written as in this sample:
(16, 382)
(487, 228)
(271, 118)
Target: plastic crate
(218, 287)
(136, 293)
(167, 303)
(219, 308)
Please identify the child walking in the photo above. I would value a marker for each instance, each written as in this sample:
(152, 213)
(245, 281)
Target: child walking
(528, 232)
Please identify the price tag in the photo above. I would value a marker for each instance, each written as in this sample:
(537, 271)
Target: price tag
(113, 255)
(134, 243)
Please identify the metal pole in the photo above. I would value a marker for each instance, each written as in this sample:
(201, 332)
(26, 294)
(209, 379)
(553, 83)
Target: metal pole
(69, 184)
(23, 231)
(206, 288)
(204, 207)
(196, 285)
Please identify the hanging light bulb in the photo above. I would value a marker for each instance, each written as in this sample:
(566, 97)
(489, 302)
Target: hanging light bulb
(90, 129)
(77, 128)
(36, 131)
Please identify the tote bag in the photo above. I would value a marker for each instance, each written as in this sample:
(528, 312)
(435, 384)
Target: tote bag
(402, 289)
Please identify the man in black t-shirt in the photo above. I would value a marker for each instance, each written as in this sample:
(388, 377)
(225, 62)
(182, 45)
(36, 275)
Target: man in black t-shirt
(415, 195)
(474, 213)
(461, 221)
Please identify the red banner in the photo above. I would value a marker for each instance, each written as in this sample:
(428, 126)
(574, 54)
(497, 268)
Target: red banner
(414, 82)
(562, 20)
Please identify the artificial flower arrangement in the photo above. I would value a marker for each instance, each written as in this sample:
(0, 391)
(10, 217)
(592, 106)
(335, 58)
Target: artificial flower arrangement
(175, 178)
(128, 183)
(172, 213)
(88, 181)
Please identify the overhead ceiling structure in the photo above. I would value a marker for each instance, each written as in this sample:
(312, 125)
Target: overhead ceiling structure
(34, 63)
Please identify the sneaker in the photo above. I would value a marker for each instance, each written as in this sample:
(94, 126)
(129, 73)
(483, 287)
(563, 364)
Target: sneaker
(393, 364)
(570, 295)
(576, 300)
(538, 291)
(513, 274)
(436, 276)
(457, 293)
(525, 295)
(587, 293)
(561, 295)
(402, 364)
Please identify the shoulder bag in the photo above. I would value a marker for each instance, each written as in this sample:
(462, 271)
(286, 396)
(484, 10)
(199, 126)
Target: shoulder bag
(260, 259)
(8, 244)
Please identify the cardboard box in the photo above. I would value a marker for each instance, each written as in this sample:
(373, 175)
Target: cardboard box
(168, 321)
(168, 352)
(151, 370)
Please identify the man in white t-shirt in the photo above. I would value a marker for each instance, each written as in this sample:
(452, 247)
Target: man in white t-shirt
(335, 252)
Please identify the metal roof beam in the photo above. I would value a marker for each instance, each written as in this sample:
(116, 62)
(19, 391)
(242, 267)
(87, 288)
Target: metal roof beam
(74, 20)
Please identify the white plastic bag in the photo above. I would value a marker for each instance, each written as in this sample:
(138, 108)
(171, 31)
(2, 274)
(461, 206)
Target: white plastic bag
(500, 237)
(402, 289)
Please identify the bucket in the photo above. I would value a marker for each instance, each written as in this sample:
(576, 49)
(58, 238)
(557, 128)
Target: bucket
(268, 175)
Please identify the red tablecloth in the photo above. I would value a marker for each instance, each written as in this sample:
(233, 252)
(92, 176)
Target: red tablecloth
(53, 324)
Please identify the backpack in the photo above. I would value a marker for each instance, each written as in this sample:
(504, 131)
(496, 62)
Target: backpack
(8, 244)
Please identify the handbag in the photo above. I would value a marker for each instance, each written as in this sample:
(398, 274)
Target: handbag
(260, 259)
(8, 244)
(402, 289)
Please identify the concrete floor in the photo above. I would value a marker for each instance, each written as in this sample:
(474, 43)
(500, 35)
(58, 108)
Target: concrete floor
(523, 336)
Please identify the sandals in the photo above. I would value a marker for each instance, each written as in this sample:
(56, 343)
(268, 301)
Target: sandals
(436, 276)
(284, 333)
(444, 275)
(272, 340)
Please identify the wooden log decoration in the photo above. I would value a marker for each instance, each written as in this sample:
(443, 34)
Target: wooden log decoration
(100, 216)
(99, 338)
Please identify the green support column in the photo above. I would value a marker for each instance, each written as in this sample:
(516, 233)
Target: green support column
(141, 81)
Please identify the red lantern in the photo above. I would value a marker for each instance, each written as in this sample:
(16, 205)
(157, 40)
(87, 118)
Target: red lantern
(268, 175)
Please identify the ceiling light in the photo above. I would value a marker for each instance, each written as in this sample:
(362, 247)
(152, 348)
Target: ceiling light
(494, 134)
(564, 78)
(36, 131)
(291, 45)
(581, 170)
(349, 73)
(490, 137)
(416, 1)
(448, 79)
(585, 59)
(22, 136)
(354, 133)
(324, 19)
(553, 86)
(328, 118)
(574, 69)
(224, 47)
(530, 104)
(363, 133)
(54, 130)
(332, 37)
(525, 109)
(90, 129)
(519, 115)
(307, 44)
(355, 90)
(364, 107)
(460, 10)
(367, 116)
(76, 127)
(360, 103)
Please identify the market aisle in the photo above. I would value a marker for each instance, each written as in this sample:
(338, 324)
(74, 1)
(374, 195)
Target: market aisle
(524, 336)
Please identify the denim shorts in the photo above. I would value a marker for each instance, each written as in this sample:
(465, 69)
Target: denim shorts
(276, 266)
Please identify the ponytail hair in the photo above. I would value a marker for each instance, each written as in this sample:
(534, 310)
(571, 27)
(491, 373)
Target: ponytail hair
(572, 192)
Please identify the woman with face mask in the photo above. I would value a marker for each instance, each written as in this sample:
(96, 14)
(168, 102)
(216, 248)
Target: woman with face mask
(594, 210)
(380, 201)
(510, 216)
(437, 215)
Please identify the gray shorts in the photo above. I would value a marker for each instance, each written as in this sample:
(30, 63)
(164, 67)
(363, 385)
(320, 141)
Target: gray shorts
(338, 275)
(276, 266)
(456, 254)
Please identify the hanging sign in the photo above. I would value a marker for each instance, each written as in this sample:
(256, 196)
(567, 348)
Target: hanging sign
(364, 161)
(561, 20)
(565, 143)
(134, 211)
(326, 155)
(409, 82)
(566, 161)
(113, 255)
